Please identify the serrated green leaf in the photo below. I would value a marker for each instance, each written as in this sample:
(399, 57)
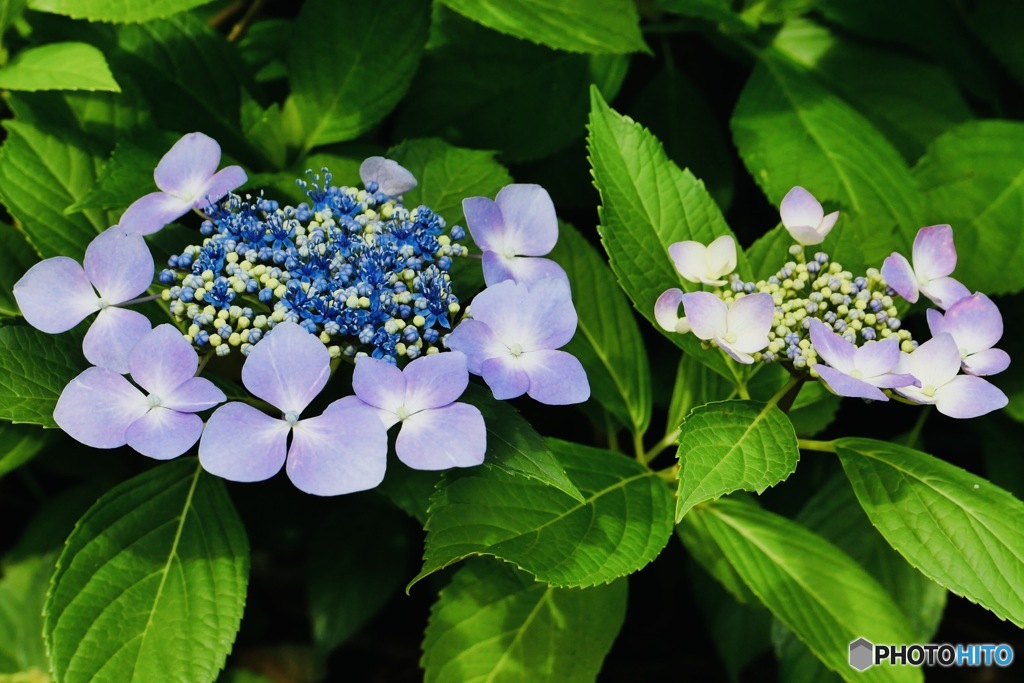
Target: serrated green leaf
(22, 594)
(58, 66)
(151, 583)
(973, 180)
(19, 444)
(341, 88)
(115, 10)
(607, 341)
(623, 522)
(513, 447)
(732, 446)
(128, 174)
(495, 623)
(34, 368)
(647, 204)
(18, 258)
(781, 562)
(599, 26)
(960, 530)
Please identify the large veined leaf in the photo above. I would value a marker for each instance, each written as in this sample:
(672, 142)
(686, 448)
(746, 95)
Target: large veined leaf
(22, 594)
(342, 85)
(622, 523)
(18, 257)
(694, 386)
(781, 562)
(731, 446)
(959, 529)
(59, 66)
(115, 10)
(582, 26)
(607, 341)
(972, 181)
(495, 623)
(34, 369)
(151, 583)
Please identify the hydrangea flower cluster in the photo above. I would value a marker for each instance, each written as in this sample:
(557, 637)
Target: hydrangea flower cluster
(820, 319)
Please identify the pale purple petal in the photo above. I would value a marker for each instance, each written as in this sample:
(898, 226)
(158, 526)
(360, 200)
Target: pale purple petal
(222, 182)
(805, 234)
(934, 253)
(965, 397)
(188, 166)
(556, 378)
(505, 376)
(242, 444)
(55, 295)
(987, 362)
(666, 309)
(193, 395)
(98, 406)
(435, 380)
(477, 342)
(531, 227)
(163, 433)
(287, 368)
(387, 417)
(707, 314)
(151, 212)
(944, 291)
(898, 274)
(501, 307)
(378, 383)
(893, 380)
(342, 451)
(162, 360)
(112, 336)
(933, 363)
(721, 256)
(737, 355)
(974, 322)
(485, 223)
(832, 348)
(441, 438)
(527, 270)
(936, 321)
(799, 207)
(876, 357)
(548, 319)
(750, 319)
(119, 265)
(842, 384)
(827, 223)
(688, 257)
(391, 177)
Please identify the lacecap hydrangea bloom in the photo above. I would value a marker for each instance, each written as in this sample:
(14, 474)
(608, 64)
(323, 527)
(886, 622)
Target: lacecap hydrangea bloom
(822, 321)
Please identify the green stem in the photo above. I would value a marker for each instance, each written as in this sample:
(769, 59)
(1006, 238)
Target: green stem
(658, 448)
(915, 433)
(814, 445)
(638, 447)
(203, 360)
(669, 474)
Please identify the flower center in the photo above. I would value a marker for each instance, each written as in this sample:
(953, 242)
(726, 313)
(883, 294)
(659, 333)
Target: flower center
(856, 374)
(291, 417)
(729, 337)
(153, 400)
(963, 352)
(928, 390)
(102, 303)
(509, 252)
(403, 412)
(516, 349)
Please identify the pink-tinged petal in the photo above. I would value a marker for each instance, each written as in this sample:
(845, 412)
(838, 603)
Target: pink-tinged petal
(97, 407)
(805, 234)
(55, 295)
(162, 360)
(721, 256)
(966, 396)
(832, 348)
(549, 319)
(222, 182)
(933, 363)
(342, 451)
(477, 342)
(933, 252)
(163, 433)
(974, 322)
(193, 395)
(441, 438)
(391, 177)
(531, 227)
(944, 291)
(556, 378)
(527, 270)
(435, 380)
(827, 223)
(112, 336)
(688, 257)
(876, 357)
(987, 362)
(119, 265)
(749, 320)
(242, 444)
(893, 381)
(505, 376)
(898, 274)
(485, 223)
(188, 166)
(666, 309)
(501, 307)
(707, 315)
(799, 207)
(287, 368)
(936, 321)
(843, 385)
(153, 211)
(378, 383)
(736, 354)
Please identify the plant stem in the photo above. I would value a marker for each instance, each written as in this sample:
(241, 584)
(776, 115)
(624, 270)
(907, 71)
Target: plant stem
(814, 445)
(238, 30)
(915, 433)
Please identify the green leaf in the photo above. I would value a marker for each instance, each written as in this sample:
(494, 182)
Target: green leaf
(732, 446)
(22, 594)
(782, 564)
(59, 66)
(623, 522)
(718, 11)
(598, 26)
(695, 385)
(10, 11)
(18, 258)
(151, 583)
(494, 623)
(128, 174)
(960, 530)
(19, 444)
(647, 204)
(34, 369)
(607, 341)
(790, 130)
(814, 409)
(972, 180)
(342, 87)
(115, 10)
(513, 447)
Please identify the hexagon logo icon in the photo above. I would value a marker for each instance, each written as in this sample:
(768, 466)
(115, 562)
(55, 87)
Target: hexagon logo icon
(861, 654)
